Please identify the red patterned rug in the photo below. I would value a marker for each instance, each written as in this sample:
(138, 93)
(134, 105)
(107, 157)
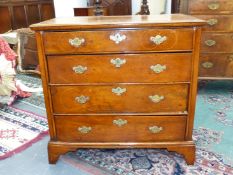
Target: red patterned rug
(145, 162)
(19, 129)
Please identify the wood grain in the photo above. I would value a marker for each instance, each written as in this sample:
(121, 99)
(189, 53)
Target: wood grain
(136, 129)
(137, 68)
(222, 65)
(224, 23)
(127, 21)
(99, 41)
(224, 42)
(102, 108)
(219, 28)
(134, 100)
(17, 14)
(186, 148)
(201, 6)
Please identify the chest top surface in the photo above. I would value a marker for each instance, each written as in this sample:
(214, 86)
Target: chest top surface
(75, 23)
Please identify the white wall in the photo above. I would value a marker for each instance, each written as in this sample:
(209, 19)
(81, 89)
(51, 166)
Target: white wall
(155, 6)
(64, 8)
(169, 6)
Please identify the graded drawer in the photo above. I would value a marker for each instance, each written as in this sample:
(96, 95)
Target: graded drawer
(120, 128)
(119, 68)
(216, 65)
(118, 41)
(211, 6)
(217, 42)
(120, 98)
(217, 23)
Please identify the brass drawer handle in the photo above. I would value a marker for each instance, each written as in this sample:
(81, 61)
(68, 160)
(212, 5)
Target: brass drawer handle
(81, 99)
(158, 39)
(207, 65)
(158, 68)
(76, 42)
(119, 122)
(156, 98)
(117, 38)
(230, 57)
(79, 69)
(118, 91)
(212, 22)
(118, 62)
(213, 6)
(155, 129)
(84, 129)
(210, 43)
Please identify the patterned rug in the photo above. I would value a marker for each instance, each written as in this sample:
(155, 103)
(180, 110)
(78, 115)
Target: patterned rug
(20, 127)
(212, 135)
(147, 161)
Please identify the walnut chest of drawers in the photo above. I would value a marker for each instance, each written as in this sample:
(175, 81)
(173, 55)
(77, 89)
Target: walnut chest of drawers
(120, 82)
(216, 58)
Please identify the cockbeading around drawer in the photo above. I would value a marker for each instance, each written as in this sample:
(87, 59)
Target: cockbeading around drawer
(102, 41)
(217, 23)
(216, 64)
(120, 128)
(211, 7)
(217, 42)
(121, 68)
(120, 98)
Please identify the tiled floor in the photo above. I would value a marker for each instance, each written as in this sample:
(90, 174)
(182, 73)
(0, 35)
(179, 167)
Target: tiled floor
(33, 161)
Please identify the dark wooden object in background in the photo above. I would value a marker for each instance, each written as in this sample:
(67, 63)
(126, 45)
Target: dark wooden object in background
(116, 7)
(27, 51)
(144, 8)
(88, 11)
(216, 58)
(98, 10)
(15, 14)
(81, 11)
(175, 6)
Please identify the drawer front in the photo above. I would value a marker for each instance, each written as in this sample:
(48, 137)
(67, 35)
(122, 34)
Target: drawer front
(119, 68)
(118, 41)
(135, 128)
(216, 42)
(216, 65)
(119, 98)
(217, 23)
(211, 6)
